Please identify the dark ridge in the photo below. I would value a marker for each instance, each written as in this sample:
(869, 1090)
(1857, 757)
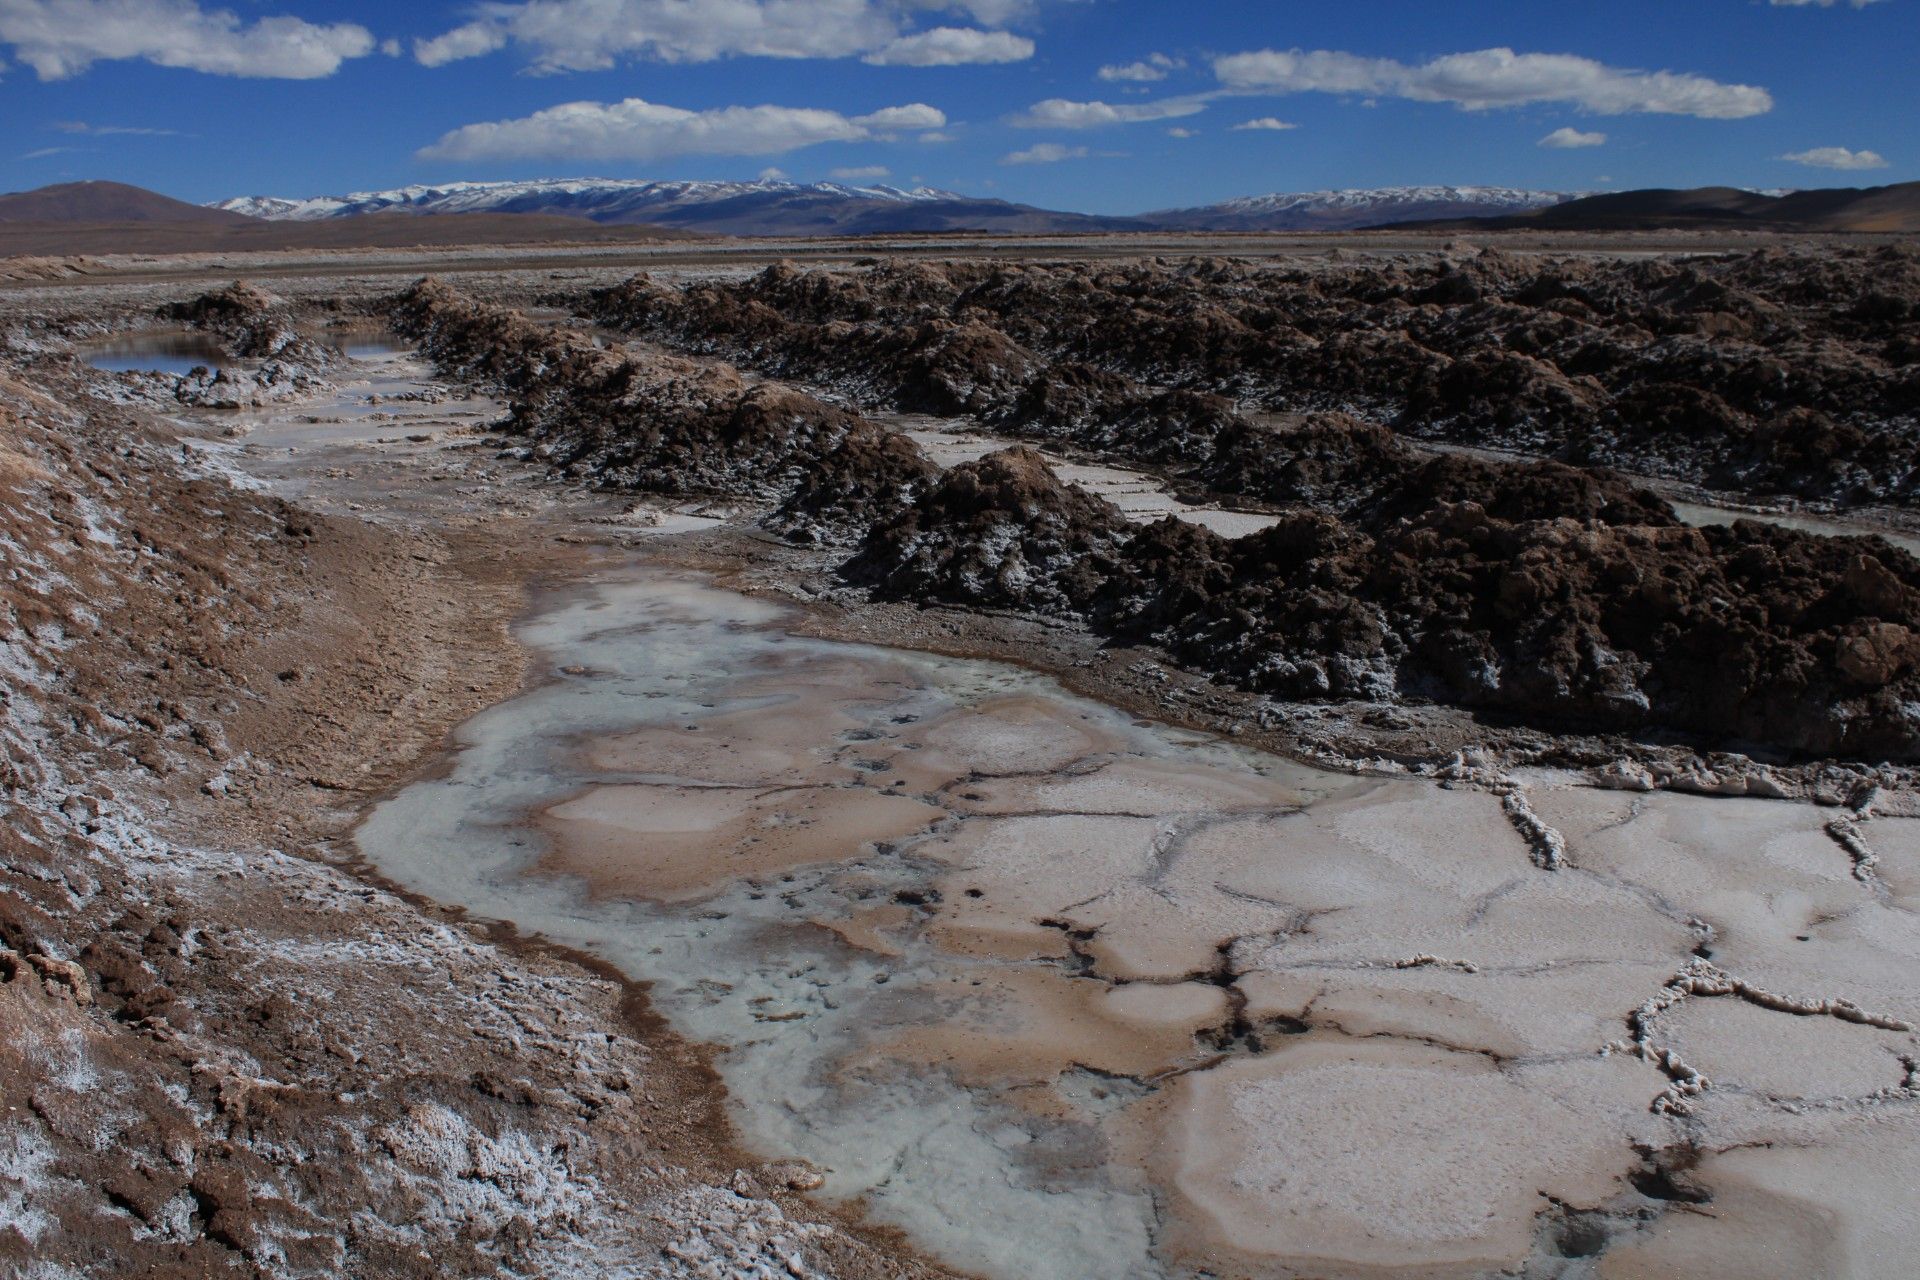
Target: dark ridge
(1884, 209)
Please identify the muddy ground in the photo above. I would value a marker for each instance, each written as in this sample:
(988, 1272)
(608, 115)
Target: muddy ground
(231, 1050)
(243, 1055)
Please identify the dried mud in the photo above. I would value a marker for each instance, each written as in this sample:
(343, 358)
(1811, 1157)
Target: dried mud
(1673, 1033)
(229, 1052)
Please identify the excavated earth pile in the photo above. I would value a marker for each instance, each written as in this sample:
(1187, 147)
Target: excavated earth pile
(1557, 596)
(1791, 373)
(233, 1048)
(662, 424)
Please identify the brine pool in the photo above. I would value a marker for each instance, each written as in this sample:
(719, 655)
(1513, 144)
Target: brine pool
(178, 352)
(1062, 993)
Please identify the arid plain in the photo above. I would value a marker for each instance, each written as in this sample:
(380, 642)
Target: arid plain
(1141, 756)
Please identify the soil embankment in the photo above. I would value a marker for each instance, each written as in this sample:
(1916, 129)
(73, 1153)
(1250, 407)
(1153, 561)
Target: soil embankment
(1557, 596)
(243, 1056)
(229, 1052)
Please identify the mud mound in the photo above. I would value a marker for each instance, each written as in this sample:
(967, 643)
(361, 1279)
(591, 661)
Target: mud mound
(222, 309)
(866, 478)
(660, 423)
(1751, 635)
(1743, 634)
(1786, 373)
(256, 327)
(1001, 532)
(1541, 592)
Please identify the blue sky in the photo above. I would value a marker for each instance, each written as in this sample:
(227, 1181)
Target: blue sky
(1101, 105)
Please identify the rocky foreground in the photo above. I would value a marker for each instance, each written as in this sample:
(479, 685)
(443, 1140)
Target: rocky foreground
(1772, 373)
(227, 1053)
(1541, 592)
(232, 1055)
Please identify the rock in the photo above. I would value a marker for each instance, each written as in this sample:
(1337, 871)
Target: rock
(65, 976)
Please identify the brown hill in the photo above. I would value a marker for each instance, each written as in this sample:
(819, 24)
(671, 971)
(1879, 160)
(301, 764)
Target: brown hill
(1891, 208)
(376, 231)
(99, 202)
(77, 218)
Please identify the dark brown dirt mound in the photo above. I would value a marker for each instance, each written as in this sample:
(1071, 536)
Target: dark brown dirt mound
(1773, 373)
(1541, 592)
(659, 423)
(1752, 635)
(1002, 532)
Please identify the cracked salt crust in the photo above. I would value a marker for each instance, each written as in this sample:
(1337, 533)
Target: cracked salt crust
(1368, 1022)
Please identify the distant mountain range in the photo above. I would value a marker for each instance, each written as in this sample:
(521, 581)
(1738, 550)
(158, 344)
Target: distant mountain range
(109, 217)
(1894, 208)
(1350, 210)
(718, 208)
(828, 208)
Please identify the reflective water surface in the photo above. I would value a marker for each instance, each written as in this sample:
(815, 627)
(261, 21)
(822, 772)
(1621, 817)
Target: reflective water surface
(176, 352)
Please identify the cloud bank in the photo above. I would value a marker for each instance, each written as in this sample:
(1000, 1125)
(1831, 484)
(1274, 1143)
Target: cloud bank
(1490, 78)
(1061, 113)
(594, 35)
(952, 47)
(1153, 67)
(638, 130)
(1044, 153)
(1837, 158)
(62, 38)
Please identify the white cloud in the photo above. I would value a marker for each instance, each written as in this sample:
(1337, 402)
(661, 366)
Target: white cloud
(952, 47)
(1060, 113)
(112, 130)
(1824, 4)
(1179, 132)
(773, 173)
(475, 40)
(594, 35)
(392, 49)
(1490, 78)
(1295, 71)
(637, 130)
(62, 38)
(1271, 124)
(1837, 158)
(916, 115)
(591, 35)
(1569, 139)
(1044, 153)
(1149, 69)
(861, 173)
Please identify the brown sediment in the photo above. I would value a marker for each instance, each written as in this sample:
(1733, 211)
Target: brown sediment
(206, 685)
(677, 843)
(1353, 959)
(1022, 1027)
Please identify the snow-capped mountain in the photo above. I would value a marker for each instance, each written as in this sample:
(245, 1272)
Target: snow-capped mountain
(831, 208)
(1344, 210)
(602, 199)
(731, 208)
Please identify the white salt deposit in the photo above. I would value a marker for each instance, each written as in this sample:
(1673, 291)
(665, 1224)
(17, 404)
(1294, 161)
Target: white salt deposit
(1061, 995)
